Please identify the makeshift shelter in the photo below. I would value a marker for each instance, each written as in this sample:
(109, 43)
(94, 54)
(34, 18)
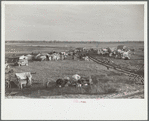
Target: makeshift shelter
(30, 57)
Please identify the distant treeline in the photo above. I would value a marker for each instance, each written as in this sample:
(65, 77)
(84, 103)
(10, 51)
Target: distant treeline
(33, 41)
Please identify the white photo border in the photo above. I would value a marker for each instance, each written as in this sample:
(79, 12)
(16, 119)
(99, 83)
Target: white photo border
(93, 109)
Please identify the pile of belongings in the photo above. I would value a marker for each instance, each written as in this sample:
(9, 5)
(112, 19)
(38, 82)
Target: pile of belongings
(76, 80)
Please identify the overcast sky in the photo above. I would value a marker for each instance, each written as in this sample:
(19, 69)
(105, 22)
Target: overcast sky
(74, 22)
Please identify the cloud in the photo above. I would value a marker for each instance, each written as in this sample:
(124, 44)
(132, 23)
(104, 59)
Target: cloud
(74, 22)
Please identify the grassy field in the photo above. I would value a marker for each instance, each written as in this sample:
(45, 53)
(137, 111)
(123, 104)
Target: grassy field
(106, 82)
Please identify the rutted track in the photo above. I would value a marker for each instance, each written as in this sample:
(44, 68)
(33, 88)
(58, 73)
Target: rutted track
(115, 67)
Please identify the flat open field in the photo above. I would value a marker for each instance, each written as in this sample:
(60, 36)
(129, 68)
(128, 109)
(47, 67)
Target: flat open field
(107, 83)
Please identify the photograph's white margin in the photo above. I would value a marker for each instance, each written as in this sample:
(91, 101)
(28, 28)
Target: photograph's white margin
(93, 109)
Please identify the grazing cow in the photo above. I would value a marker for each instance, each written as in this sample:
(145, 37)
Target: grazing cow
(24, 78)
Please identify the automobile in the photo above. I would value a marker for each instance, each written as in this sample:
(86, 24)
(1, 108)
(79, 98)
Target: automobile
(15, 61)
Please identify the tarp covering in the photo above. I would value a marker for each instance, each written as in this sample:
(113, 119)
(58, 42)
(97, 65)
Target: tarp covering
(29, 57)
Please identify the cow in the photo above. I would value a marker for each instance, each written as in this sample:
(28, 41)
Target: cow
(24, 78)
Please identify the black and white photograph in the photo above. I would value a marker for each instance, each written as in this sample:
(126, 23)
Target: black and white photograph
(74, 50)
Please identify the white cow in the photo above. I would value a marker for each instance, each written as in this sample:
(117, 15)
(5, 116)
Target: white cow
(24, 78)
